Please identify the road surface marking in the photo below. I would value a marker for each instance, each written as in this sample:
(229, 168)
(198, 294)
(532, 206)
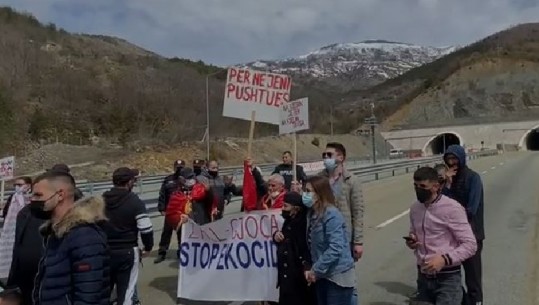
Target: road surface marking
(385, 223)
(501, 163)
(484, 172)
(494, 167)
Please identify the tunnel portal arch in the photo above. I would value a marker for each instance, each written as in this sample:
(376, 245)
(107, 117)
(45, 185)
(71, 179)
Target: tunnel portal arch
(438, 144)
(530, 139)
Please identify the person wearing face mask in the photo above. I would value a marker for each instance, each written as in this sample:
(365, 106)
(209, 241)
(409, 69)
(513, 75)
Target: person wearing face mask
(348, 193)
(76, 252)
(440, 247)
(17, 201)
(169, 186)
(293, 256)
(217, 185)
(199, 166)
(127, 219)
(22, 185)
(466, 188)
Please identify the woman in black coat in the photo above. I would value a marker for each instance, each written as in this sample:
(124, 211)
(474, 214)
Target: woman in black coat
(293, 256)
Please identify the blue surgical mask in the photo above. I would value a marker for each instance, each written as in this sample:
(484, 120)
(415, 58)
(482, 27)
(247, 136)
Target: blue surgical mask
(307, 198)
(330, 164)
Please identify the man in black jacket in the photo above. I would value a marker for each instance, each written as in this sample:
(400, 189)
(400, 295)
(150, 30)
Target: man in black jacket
(170, 185)
(287, 171)
(27, 251)
(127, 217)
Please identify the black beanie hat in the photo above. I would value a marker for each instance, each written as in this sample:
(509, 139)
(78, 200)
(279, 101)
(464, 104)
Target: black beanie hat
(293, 198)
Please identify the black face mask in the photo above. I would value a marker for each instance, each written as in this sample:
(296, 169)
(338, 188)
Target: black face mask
(423, 195)
(213, 173)
(197, 170)
(286, 214)
(178, 171)
(37, 210)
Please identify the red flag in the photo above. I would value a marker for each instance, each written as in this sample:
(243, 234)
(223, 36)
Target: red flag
(250, 195)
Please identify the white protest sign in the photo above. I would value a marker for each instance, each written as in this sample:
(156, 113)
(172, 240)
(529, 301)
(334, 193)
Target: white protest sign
(247, 90)
(294, 116)
(232, 259)
(313, 166)
(7, 167)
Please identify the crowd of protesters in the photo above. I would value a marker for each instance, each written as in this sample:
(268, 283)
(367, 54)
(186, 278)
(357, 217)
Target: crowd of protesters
(91, 250)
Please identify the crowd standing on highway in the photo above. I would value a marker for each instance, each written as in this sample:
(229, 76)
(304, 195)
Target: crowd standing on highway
(91, 251)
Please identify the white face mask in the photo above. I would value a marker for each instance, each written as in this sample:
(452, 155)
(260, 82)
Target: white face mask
(274, 194)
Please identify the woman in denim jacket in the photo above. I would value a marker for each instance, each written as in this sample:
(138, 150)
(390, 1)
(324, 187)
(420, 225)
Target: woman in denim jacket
(333, 265)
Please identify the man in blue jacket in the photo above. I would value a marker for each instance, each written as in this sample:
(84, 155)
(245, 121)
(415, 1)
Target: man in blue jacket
(467, 188)
(75, 265)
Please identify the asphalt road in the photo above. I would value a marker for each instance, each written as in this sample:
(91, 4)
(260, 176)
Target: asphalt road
(387, 271)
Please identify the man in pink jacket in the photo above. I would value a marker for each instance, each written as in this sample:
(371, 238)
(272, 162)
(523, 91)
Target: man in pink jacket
(441, 238)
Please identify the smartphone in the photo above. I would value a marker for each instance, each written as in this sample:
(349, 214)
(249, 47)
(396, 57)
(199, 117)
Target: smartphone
(409, 239)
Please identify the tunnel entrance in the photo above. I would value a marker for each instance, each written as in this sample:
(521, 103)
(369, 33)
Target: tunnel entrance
(532, 140)
(441, 142)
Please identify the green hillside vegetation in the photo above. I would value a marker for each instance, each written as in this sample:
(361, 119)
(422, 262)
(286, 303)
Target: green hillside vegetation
(55, 85)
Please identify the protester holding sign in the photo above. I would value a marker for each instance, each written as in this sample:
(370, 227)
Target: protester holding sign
(333, 265)
(286, 169)
(293, 257)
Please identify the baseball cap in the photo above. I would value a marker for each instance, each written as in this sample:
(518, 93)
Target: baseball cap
(124, 174)
(199, 162)
(293, 199)
(60, 167)
(179, 163)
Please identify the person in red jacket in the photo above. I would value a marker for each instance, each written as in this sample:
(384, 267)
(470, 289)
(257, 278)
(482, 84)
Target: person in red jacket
(193, 199)
(260, 195)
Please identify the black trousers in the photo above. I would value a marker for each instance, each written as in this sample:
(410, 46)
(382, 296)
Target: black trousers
(166, 236)
(473, 273)
(124, 273)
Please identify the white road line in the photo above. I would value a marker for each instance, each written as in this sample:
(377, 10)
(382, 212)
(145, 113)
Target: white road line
(484, 172)
(385, 223)
(494, 167)
(501, 163)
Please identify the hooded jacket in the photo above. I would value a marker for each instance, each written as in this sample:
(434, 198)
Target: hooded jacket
(127, 217)
(467, 189)
(75, 266)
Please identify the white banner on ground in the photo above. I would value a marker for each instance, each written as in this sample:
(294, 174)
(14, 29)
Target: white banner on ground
(7, 167)
(247, 90)
(233, 259)
(294, 116)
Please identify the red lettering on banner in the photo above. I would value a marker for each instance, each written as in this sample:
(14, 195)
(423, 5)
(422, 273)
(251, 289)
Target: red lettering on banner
(230, 89)
(258, 79)
(248, 229)
(263, 224)
(237, 231)
(247, 76)
(233, 73)
(274, 224)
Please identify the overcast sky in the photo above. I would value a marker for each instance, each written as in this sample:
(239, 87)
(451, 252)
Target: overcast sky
(226, 32)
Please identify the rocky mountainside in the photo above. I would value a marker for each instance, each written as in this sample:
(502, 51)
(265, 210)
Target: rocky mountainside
(492, 80)
(359, 65)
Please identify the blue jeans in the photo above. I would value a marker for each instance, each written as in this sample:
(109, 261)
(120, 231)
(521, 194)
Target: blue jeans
(329, 293)
(355, 297)
(440, 289)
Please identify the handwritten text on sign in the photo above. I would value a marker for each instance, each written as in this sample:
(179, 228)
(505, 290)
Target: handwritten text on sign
(7, 167)
(236, 256)
(294, 116)
(247, 90)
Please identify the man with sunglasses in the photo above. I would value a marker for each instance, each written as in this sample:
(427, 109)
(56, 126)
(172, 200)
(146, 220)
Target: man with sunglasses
(348, 195)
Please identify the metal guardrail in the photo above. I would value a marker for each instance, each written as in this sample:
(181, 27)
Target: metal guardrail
(151, 184)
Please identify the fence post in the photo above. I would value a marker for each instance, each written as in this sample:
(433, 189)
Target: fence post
(139, 184)
(91, 188)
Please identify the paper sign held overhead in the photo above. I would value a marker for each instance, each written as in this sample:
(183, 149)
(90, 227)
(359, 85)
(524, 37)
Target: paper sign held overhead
(7, 168)
(294, 116)
(247, 90)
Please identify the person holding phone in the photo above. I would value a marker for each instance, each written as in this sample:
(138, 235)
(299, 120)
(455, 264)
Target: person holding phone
(442, 239)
